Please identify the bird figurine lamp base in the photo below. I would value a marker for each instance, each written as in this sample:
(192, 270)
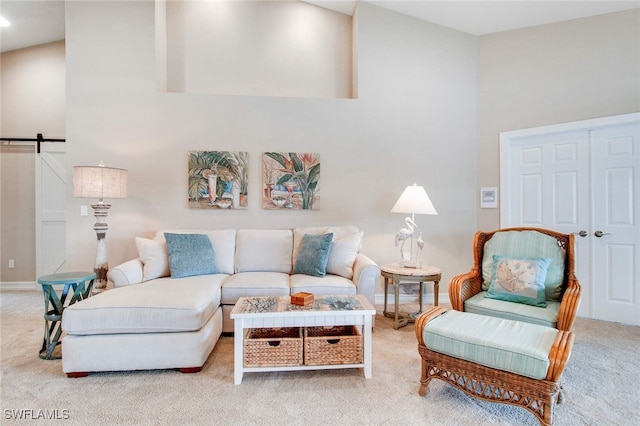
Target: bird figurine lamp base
(407, 234)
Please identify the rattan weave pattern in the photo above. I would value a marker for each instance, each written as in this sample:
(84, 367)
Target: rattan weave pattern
(537, 396)
(331, 346)
(273, 347)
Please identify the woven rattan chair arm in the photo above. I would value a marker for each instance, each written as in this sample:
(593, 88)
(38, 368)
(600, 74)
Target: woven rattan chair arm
(424, 318)
(559, 354)
(569, 305)
(463, 287)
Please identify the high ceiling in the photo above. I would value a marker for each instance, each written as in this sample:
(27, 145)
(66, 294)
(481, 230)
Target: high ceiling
(32, 23)
(36, 22)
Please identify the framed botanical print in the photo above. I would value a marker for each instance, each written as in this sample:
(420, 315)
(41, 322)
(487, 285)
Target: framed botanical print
(218, 179)
(290, 180)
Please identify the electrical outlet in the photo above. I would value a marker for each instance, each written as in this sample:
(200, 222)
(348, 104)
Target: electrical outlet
(12, 263)
(84, 211)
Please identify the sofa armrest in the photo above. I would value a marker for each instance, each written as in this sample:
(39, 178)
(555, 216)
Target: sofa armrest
(463, 287)
(365, 276)
(127, 273)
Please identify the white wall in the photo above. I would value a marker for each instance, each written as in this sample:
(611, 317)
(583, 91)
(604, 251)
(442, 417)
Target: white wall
(569, 71)
(414, 121)
(258, 49)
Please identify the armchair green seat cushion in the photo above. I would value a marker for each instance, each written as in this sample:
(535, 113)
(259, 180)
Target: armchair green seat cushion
(563, 292)
(513, 346)
(547, 316)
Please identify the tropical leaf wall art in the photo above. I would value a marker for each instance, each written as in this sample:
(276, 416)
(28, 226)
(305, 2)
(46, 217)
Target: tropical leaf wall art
(290, 180)
(218, 179)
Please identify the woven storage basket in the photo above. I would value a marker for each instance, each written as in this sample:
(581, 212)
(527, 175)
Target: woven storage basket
(266, 347)
(332, 345)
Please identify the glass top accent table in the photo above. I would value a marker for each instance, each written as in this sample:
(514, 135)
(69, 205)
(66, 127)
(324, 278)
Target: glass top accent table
(325, 311)
(76, 286)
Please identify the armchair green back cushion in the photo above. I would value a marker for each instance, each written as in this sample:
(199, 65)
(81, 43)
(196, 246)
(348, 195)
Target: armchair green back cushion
(526, 244)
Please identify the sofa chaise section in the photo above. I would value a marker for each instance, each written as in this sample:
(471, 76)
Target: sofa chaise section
(160, 324)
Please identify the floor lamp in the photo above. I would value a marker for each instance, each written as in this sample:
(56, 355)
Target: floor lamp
(100, 182)
(413, 200)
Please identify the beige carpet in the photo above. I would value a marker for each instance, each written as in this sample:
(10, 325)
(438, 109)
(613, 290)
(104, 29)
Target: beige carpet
(601, 384)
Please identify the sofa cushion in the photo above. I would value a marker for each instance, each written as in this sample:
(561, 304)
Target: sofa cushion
(154, 257)
(342, 256)
(327, 285)
(254, 284)
(264, 250)
(518, 244)
(222, 240)
(512, 346)
(190, 254)
(345, 247)
(547, 316)
(519, 280)
(313, 255)
(158, 306)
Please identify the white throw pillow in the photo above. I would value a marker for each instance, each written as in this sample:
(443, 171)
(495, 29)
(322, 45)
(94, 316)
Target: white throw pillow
(343, 254)
(154, 257)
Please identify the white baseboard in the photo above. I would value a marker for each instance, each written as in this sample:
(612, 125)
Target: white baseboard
(19, 285)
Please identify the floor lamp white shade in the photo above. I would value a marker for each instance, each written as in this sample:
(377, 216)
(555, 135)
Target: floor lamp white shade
(413, 200)
(100, 182)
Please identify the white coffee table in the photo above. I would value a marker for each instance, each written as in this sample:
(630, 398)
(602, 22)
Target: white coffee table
(270, 312)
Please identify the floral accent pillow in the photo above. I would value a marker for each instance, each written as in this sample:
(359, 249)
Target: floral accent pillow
(519, 280)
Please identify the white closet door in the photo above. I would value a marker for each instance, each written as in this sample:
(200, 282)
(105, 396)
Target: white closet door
(616, 217)
(51, 213)
(549, 188)
(582, 178)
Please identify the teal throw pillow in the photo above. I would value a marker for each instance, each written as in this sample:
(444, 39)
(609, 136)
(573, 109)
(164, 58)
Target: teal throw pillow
(519, 280)
(190, 254)
(526, 244)
(313, 255)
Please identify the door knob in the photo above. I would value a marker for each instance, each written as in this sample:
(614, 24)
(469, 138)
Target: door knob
(582, 233)
(599, 233)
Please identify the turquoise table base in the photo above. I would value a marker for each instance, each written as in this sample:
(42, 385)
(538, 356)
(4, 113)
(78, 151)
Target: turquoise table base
(75, 287)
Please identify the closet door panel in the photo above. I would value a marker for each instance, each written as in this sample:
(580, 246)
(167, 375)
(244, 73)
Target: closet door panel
(583, 178)
(547, 186)
(616, 222)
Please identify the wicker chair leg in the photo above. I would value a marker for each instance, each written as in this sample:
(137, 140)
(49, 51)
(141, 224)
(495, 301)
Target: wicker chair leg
(424, 380)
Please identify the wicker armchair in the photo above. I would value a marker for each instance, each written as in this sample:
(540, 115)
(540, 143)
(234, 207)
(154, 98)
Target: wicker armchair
(462, 287)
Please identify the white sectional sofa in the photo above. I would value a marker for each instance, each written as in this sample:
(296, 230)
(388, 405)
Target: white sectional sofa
(169, 306)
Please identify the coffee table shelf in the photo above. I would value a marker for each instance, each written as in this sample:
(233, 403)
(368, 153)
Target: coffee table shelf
(325, 311)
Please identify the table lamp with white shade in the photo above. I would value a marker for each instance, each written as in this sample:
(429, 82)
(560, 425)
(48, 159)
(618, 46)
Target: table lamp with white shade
(413, 200)
(100, 182)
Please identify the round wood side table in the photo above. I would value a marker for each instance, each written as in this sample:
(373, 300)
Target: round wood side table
(397, 275)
